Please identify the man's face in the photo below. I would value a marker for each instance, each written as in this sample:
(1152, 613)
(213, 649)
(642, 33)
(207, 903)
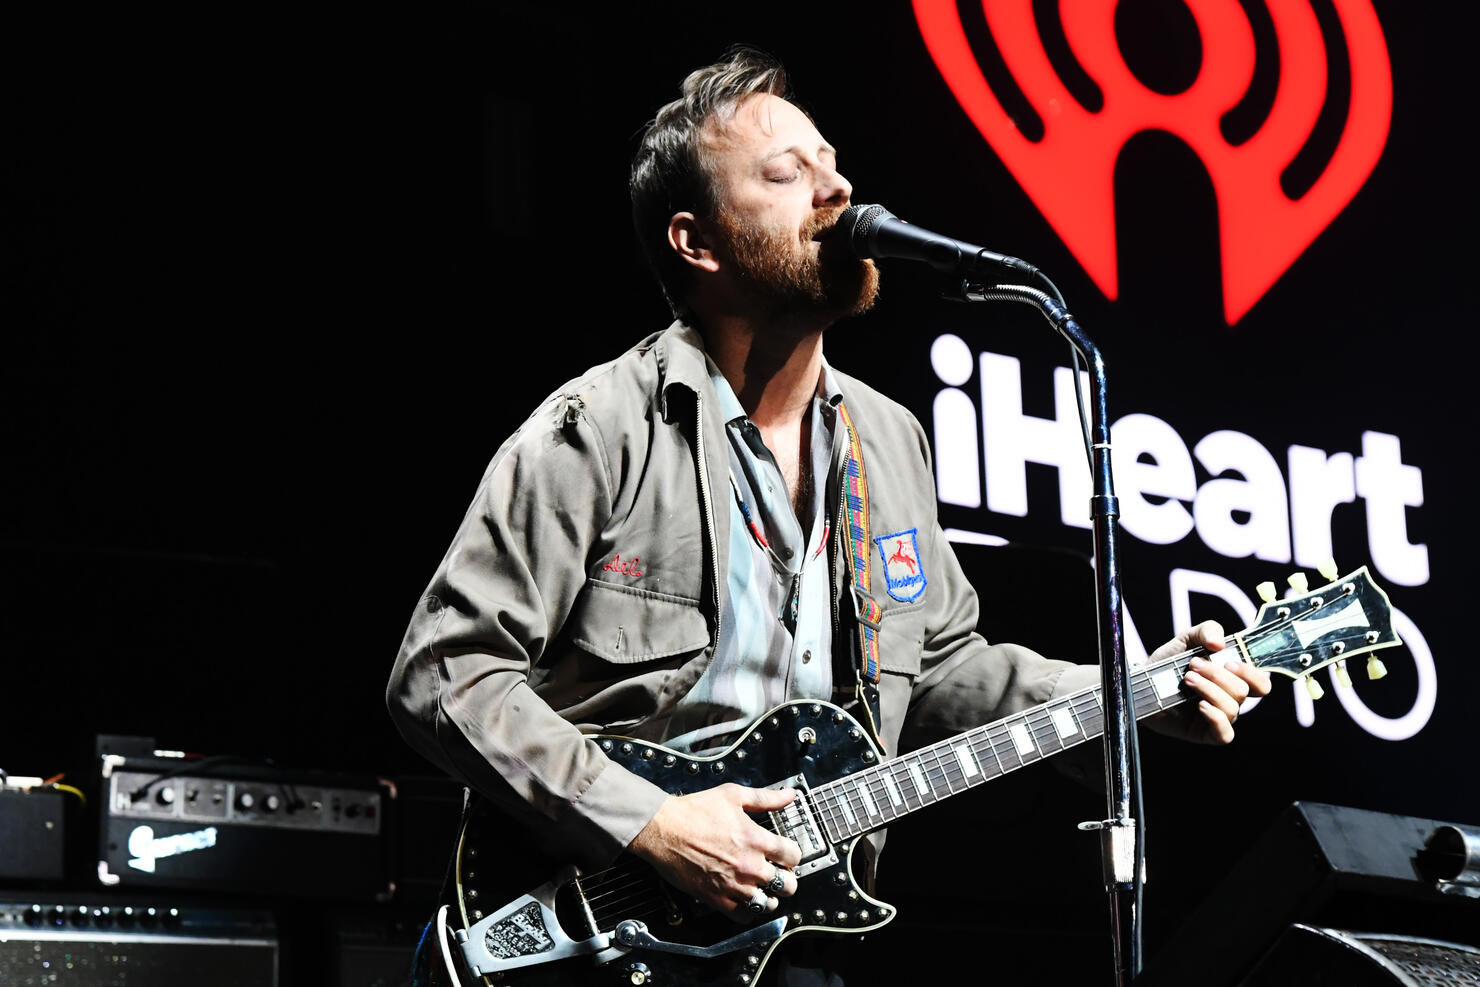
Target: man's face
(778, 194)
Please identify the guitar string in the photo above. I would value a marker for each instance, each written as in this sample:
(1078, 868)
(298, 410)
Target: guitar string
(1083, 707)
(1047, 740)
(1039, 724)
(637, 881)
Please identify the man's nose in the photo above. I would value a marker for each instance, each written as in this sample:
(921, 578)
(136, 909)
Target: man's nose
(832, 189)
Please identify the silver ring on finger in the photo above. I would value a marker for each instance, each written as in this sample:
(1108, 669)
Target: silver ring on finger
(758, 901)
(778, 882)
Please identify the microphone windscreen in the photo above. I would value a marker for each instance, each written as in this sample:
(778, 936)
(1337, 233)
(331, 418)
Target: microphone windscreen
(858, 222)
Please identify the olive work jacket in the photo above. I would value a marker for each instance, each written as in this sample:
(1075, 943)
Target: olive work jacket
(581, 595)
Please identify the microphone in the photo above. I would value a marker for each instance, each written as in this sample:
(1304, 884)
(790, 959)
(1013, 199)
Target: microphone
(874, 232)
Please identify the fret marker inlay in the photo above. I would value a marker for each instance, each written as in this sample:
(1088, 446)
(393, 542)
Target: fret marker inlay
(1021, 739)
(1063, 722)
(967, 761)
(918, 777)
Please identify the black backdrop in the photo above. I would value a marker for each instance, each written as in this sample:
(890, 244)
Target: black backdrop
(275, 288)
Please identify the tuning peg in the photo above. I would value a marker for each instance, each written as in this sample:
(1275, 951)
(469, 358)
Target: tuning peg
(1375, 668)
(1298, 582)
(1313, 687)
(1343, 678)
(1265, 591)
(1328, 570)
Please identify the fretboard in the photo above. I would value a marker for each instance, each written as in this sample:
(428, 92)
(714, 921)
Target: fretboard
(874, 797)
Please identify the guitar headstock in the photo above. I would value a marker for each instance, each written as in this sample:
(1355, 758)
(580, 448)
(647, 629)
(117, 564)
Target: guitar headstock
(1314, 628)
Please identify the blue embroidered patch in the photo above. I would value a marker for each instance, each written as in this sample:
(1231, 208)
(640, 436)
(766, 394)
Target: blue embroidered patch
(903, 571)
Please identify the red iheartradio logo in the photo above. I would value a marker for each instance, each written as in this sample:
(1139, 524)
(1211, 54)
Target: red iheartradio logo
(1069, 172)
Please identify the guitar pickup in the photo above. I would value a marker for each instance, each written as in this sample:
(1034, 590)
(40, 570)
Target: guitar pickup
(797, 822)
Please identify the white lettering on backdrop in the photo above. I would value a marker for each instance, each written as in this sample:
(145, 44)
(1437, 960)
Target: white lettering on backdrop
(1249, 507)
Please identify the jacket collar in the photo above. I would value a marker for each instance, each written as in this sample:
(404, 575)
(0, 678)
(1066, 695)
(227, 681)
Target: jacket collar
(681, 363)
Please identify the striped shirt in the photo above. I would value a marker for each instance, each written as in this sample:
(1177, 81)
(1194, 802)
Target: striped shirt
(776, 630)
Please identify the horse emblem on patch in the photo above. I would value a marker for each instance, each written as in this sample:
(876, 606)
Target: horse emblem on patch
(903, 571)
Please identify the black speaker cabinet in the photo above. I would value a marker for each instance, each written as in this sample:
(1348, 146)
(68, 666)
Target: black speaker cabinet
(33, 835)
(1317, 957)
(122, 942)
(1321, 878)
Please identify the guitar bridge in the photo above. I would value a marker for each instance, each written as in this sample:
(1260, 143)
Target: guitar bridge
(797, 822)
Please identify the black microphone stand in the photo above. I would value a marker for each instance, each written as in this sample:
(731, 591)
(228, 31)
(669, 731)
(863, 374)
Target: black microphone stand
(1122, 833)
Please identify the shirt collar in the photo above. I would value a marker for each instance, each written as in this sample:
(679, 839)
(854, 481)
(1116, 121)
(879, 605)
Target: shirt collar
(732, 413)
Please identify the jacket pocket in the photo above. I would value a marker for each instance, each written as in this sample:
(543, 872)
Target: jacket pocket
(901, 639)
(625, 625)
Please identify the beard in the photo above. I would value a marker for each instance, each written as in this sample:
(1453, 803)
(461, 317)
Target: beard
(832, 282)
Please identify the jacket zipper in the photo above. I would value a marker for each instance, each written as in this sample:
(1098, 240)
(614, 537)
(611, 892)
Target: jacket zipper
(708, 509)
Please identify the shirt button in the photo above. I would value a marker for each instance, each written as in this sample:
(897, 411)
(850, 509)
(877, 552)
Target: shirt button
(787, 553)
(806, 657)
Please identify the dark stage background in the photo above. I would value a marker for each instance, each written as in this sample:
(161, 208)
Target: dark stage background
(275, 289)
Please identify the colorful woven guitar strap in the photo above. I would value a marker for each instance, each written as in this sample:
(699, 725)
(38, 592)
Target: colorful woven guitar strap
(855, 507)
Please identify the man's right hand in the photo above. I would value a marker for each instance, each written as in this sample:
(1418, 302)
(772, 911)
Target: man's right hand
(706, 845)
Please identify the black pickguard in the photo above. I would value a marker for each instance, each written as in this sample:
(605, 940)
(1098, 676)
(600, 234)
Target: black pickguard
(814, 741)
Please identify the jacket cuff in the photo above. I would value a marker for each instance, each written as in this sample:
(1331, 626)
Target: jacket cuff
(613, 809)
(1073, 678)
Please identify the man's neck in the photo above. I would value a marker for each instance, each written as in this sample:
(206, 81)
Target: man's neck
(773, 370)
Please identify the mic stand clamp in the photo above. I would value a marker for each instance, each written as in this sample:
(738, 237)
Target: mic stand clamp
(1123, 832)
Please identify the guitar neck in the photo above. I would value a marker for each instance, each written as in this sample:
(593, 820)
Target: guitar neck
(868, 799)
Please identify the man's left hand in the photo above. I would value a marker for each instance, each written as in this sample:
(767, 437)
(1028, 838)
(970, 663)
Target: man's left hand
(1217, 688)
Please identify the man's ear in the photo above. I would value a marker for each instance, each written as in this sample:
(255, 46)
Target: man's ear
(689, 239)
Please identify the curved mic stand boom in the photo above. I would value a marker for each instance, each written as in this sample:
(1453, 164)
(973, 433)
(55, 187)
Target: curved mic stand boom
(1122, 833)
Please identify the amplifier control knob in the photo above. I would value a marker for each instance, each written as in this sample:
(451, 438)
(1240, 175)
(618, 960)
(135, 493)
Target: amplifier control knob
(246, 800)
(33, 916)
(165, 795)
(272, 803)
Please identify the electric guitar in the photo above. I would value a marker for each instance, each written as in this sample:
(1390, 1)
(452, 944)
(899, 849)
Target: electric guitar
(532, 919)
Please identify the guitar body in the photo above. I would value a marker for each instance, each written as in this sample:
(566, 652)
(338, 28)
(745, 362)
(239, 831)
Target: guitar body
(527, 918)
(533, 919)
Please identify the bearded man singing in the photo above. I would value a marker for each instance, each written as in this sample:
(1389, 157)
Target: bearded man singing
(669, 550)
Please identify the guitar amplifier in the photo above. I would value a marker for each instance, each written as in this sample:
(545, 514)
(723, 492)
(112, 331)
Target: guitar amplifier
(227, 825)
(112, 941)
